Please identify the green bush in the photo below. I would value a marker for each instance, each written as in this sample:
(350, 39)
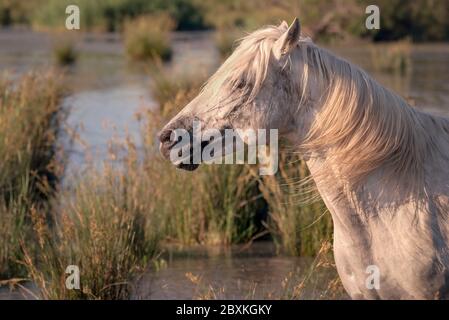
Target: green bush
(148, 38)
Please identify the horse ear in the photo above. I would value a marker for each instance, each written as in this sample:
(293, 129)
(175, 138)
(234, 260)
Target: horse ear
(290, 38)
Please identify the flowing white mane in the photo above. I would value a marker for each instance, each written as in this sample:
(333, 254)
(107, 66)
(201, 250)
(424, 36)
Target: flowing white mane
(363, 126)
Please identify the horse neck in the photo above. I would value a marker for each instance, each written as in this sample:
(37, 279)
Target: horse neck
(344, 210)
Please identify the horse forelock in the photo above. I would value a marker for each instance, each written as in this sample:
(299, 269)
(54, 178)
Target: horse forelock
(246, 68)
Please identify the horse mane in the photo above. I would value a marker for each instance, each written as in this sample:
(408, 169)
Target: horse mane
(361, 125)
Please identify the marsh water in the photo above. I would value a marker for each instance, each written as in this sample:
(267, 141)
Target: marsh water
(237, 272)
(106, 94)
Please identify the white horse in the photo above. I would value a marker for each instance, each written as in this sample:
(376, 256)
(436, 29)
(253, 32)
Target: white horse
(381, 167)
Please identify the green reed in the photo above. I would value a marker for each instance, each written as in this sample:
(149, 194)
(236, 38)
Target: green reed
(29, 123)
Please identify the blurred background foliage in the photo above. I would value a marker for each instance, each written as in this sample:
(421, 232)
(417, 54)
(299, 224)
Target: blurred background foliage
(422, 20)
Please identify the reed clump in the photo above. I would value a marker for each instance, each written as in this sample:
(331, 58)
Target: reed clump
(65, 53)
(106, 227)
(14, 227)
(29, 124)
(148, 37)
(298, 219)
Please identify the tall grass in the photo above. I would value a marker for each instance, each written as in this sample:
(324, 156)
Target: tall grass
(104, 225)
(29, 121)
(14, 227)
(299, 220)
(148, 38)
(216, 206)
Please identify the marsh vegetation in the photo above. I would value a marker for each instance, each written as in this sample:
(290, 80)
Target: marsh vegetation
(148, 38)
(65, 53)
(29, 118)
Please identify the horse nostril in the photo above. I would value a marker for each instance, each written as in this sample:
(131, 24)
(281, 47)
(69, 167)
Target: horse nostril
(164, 136)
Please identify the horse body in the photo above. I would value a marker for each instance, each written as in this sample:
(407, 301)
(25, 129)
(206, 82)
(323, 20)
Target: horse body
(381, 166)
(409, 248)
